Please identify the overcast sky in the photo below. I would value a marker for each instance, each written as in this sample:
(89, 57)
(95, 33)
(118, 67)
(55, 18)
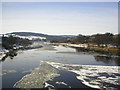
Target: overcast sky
(60, 18)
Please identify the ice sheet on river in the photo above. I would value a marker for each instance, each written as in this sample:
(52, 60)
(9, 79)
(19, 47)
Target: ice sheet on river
(38, 77)
(92, 75)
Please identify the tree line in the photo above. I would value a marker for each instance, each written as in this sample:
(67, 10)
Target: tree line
(96, 39)
(8, 42)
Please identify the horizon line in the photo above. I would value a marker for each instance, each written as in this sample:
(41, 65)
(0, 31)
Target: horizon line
(59, 34)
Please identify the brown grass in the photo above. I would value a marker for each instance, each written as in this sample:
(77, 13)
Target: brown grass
(105, 49)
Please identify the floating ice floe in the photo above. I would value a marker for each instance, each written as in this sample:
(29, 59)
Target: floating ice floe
(61, 83)
(38, 77)
(48, 85)
(93, 76)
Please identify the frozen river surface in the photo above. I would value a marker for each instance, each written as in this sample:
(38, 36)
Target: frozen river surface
(22, 64)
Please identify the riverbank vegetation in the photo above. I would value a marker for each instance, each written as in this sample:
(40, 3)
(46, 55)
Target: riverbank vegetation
(105, 43)
(9, 45)
(101, 40)
(11, 41)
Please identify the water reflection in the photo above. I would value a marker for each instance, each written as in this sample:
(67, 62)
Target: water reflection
(61, 48)
(107, 59)
(30, 59)
(35, 55)
(80, 49)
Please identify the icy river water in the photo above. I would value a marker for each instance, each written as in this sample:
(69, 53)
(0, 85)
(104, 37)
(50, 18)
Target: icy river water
(25, 61)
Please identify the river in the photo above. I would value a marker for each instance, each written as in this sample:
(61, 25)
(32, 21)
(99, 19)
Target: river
(25, 61)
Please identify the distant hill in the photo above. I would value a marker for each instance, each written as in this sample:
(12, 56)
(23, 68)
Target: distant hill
(29, 34)
(49, 37)
(66, 35)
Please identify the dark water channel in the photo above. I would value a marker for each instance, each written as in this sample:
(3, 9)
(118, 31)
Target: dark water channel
(30, 59)
(70, 80)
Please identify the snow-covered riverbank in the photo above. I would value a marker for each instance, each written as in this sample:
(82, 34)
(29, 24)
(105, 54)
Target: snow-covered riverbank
(3, 53)
(72, 45)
